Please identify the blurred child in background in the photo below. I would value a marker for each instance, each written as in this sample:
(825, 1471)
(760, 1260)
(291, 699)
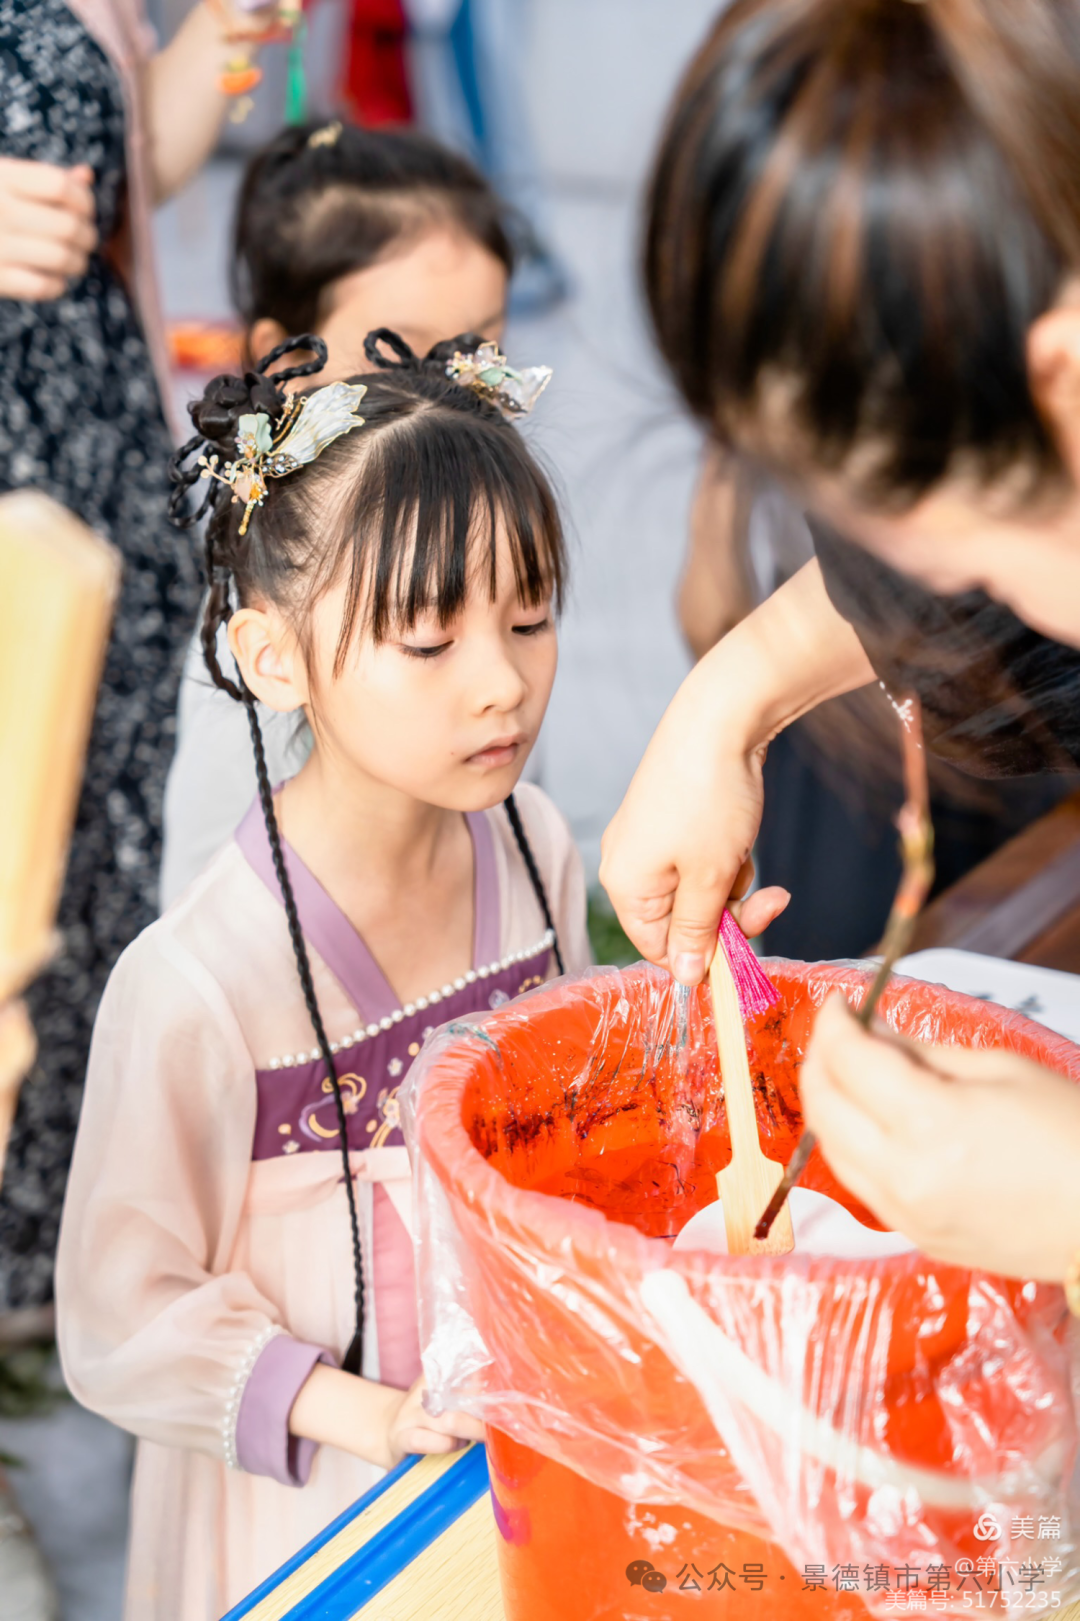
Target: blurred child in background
(338, 231)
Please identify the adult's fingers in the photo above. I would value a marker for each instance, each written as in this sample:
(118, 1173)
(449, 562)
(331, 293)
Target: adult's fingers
(47, 254)
(757, 911)
(888, 1081)
(34, 286)
(31, 219)
(856, 1148)
(50, 184)
(695, 922)
(988, 1066)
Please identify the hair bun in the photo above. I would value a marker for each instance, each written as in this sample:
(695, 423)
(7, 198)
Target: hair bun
(226, 399)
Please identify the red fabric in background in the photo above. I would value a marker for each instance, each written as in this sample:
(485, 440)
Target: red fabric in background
(376, 83)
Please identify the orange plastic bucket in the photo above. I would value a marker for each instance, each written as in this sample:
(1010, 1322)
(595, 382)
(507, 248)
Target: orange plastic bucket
(562, 1143)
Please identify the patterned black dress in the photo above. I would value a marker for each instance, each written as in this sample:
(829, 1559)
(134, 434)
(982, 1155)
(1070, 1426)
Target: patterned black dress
(81, 418)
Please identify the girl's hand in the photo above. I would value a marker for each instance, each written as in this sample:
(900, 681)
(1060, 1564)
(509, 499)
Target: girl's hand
(972, 1154)
(680, 843)
(374, 1421)
(411, 1429)
(47, 230)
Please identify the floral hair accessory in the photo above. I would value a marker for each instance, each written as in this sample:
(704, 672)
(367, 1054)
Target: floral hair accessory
(488, 373)
(327, 136)
(309, 424)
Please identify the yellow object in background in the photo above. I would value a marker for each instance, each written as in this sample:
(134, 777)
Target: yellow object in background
(58, 584)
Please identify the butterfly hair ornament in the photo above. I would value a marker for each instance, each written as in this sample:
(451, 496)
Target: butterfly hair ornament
(273, 450)
(489, 374)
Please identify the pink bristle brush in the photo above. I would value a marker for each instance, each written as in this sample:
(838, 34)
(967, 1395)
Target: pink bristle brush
(741, 990)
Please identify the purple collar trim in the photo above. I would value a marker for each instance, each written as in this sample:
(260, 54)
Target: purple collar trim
(333, 936)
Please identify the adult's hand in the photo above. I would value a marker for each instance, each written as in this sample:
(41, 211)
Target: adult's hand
(47, 230)
(680, 844)
(972, 1154)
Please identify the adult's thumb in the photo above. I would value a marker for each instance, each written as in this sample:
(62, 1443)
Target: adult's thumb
(695, 923)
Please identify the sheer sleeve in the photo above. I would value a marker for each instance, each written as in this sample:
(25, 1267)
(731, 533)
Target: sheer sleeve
(156, 1333)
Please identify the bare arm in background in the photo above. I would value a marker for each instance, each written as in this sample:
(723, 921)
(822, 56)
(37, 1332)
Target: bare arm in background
(184, 105)
(715, 589)
(47, 225)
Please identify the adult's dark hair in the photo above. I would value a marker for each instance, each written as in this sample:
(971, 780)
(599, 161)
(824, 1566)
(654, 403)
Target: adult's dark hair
(319, 202)
(858, 210)
(401, 508)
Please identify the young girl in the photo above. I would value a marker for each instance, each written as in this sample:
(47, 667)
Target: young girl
(338, 231)
(388, 560)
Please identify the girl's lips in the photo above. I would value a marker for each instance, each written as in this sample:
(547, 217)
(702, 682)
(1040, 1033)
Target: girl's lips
(499, 753)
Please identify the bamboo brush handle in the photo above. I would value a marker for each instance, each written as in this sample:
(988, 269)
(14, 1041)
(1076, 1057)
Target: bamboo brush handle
(747, 1184)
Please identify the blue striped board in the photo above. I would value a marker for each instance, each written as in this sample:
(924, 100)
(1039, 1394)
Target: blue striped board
(422, 1542)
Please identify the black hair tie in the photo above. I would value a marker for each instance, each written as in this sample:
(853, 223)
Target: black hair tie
(407, 358)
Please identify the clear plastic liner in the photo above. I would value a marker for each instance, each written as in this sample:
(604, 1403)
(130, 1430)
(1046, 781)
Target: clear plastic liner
(892, 1413)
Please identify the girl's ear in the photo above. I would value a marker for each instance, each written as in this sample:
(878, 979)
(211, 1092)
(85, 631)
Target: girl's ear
(264, 335)
(269, 657)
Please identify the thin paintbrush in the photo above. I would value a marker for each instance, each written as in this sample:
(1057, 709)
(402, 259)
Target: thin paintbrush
(916, 849)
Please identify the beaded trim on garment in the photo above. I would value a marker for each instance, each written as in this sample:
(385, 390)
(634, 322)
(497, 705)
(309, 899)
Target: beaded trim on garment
(236, 1393)
(364, 1032)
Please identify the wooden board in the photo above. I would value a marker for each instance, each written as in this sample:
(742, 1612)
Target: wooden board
(423, 1542)
(58, 582)
(456, 1579)
(1022, 902)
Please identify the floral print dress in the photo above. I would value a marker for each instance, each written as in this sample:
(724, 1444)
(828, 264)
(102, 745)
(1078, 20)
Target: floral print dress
(81, 418)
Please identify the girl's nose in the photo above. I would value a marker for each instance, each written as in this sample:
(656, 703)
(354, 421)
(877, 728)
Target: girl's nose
(499, 683)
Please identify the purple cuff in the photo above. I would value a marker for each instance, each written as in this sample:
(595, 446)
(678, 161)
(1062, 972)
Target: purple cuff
(263, 1443)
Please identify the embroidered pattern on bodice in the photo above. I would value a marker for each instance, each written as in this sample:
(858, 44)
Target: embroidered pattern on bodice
(296, 1111)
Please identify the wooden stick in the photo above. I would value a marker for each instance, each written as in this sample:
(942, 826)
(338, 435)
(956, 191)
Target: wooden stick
(58, 582)
(745, 1185)
(917, 875)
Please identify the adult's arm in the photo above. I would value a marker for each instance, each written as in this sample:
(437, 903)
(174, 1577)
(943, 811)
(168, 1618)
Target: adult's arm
(184, 104)
(680, 843)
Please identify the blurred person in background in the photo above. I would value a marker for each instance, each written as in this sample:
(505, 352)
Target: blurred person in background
(94, 132)
(338, 231)
(467, 69)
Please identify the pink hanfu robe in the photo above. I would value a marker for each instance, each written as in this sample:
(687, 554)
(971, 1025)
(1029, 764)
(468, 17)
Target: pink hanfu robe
(205, 1263)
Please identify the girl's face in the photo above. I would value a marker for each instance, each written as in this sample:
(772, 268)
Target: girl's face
(439, 283)
(446, 714)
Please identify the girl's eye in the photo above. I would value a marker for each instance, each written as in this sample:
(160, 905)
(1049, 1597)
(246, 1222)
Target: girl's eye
(424, 652)
(533, 630)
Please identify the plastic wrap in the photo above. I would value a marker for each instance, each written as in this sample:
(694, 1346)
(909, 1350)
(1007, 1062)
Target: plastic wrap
(891, 1413)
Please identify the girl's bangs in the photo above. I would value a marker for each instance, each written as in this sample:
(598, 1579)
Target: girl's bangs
(425, 517)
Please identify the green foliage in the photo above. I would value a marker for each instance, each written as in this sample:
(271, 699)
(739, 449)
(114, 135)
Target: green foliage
(29, 1382)
(30, 1385)
(610, 945)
